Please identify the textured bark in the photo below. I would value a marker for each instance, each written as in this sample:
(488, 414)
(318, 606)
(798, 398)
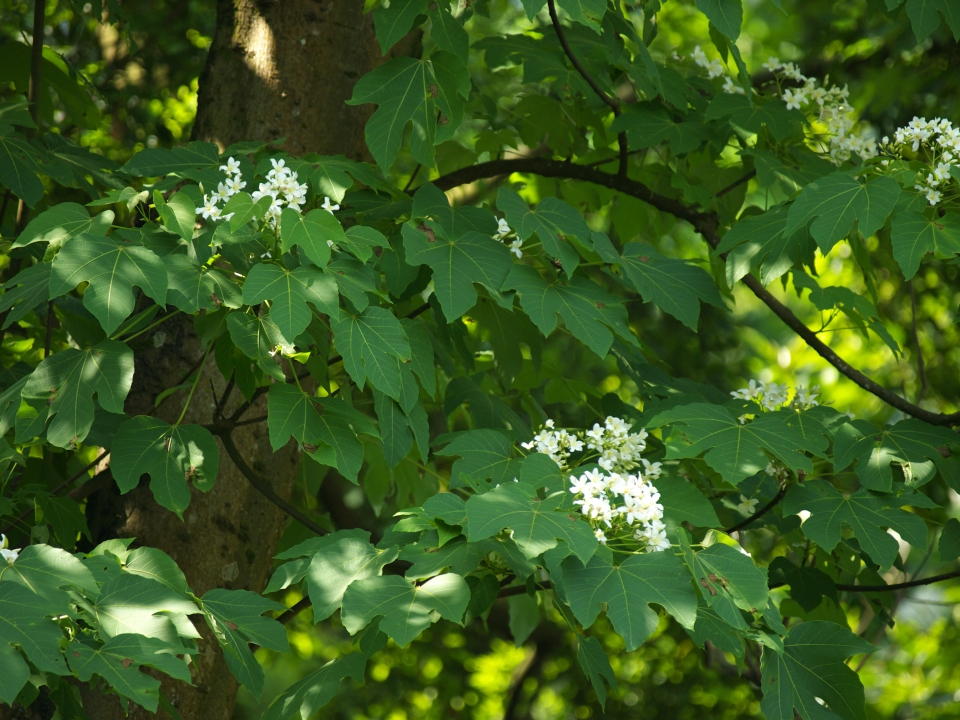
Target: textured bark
(285, 68)
(278, 68)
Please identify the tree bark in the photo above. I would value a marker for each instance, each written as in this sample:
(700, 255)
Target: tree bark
(276, 68)
(285, 69)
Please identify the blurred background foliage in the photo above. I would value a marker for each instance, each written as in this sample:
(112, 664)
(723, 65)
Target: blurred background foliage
(142, 71)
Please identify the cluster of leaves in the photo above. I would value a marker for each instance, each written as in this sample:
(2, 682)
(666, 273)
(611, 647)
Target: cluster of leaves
(426, 308)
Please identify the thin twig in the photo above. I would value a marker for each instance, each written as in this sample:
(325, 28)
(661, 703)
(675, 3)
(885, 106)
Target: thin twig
(759, 513)
(261, 484)
(706, 224)
(921, 367)
(737, 183)
(899, 586)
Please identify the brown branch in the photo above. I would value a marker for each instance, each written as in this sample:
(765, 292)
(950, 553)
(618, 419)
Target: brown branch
(899, 586)
(612, 101)
(737, 183)
(285, 617)
(706, 225)
(261, 484)
(760, 513)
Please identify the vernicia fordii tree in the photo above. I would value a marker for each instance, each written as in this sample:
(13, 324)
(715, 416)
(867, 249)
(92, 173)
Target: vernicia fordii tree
(416, 325)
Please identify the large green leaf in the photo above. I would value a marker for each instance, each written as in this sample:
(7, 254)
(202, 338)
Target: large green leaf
(914, 235)
(19, 164)
(327, 428)
(457, 264)
(649, 126)
(410, 90)
(173, 457)
(192, 287)
(118, 661)
(627, 590)
(23, 622)
(759, 242)
(257, 337)
(726, 15)
(552, 221)
(312, 233)
(596, 666)
(304, 698)
(406, 608)
(336, 566)
(235, 618)
(909, 441)
(925, 16)
(290, 291)
(394, 20)
(674, 285)
(62, 387)
(864, 513)
(752, 115)
(460, 556)
(535, 525)
(373, 345)
(682, 501)
(153, 162)
(47, 571)
(113, 269)
(24, 292)
(61, 222)
(484, 455)
(725, 574)
(589, 312)
(836, 201)
(132, 604)
(810, 671)
(735, 449)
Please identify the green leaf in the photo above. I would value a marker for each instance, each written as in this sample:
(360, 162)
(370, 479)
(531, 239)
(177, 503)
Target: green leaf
(192, 287)
(589, 312)
(596, 666)
(683, 502)
(372, 344)
(356, 280)
(913, 236)
(726, 574)
(312, 233)
(536, 525)
(909, 441)
(810, 669)
(23, 623)
(157, 565)
(758, 241)
(257, 337)
(14, 672)
(172, 456)
(540, 471)
(710, 626)
(153, 162)
(235, 618)
(19, 164)
(65, 517)
(118, 661)
(61, 389)
(864, 513)
(524, 617)
(406, 608)
(61, 222)
(675, 286)
(484, 455)
(290, 291)
(627, 590)
(552, 221)
(243, 209)
(808, 585)
(394, 20)
(46, 571)
(331, 176)
(648, 127)
(726, 15)
(304, 698)
(447, 32)
(412, 90)
(336, 566)
(361, 240)
(924, 17)
(313, 422)
(460, 556)
(736, 450)
(836, 201)
(131, 604)
(586, 12)
(754, 116)
(178, 215)
(457, 264)
(112, 269)
(24, 292)
(422, 356)
(950, 541)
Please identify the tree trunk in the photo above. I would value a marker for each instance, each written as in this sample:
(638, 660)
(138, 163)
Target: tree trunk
(277, 68)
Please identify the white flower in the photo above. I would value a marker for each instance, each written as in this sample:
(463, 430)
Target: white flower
(516, 247)
(329, 206)
(5, 552)
(232, 167)
(729, 86)
(235, 184)
(772, 64)
(747, 505)
(600, 536)
(503, 228)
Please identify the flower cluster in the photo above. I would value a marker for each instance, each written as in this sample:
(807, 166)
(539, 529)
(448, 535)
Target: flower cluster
(828, 103)
(558, 444)
(503, 232)
(5, 552)
(716, 69)
(771, 396)
(616, 501)
(939, 141)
